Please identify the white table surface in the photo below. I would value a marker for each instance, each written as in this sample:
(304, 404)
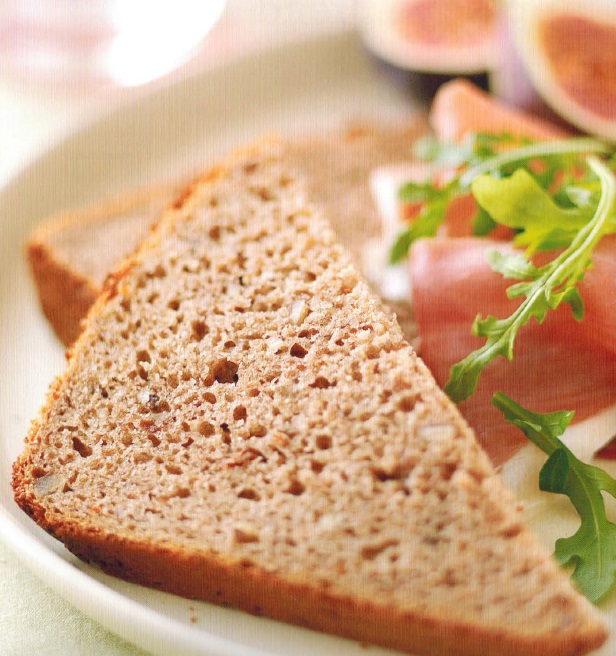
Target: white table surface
(33, 619)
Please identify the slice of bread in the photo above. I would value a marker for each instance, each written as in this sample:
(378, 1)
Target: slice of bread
(71, 253)
(240, 422)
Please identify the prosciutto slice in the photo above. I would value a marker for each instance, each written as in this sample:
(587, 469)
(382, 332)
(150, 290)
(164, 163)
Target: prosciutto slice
(560, 364)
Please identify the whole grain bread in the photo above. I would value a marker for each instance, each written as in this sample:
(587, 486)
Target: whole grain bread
(71, 253)
(240, 422)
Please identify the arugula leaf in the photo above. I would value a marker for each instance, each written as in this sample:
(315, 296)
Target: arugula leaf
(425, 224)
(477, 155)
(435, 200)
(473, 149)
(544, 290)
(520, 203)
(591, 550)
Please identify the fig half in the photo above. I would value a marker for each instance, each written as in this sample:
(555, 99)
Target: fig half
(439, 39)
(568, 51)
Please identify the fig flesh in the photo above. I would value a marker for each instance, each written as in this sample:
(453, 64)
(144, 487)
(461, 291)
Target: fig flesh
(568, 52)
(437, 39)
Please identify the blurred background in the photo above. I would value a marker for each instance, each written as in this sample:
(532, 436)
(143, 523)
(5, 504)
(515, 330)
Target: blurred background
(62, 62)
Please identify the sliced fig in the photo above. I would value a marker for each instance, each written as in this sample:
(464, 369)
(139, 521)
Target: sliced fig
(437, 38)
(568, 51)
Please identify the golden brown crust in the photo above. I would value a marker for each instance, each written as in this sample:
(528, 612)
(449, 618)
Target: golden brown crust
(249, 588)
(64, 294)
(66, 289)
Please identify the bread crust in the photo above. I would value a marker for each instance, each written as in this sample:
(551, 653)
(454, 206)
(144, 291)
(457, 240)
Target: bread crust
(249, 588)
(55, 283)
(65, 288)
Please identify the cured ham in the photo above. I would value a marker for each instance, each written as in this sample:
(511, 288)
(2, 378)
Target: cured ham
(560, 364)
(460, 108)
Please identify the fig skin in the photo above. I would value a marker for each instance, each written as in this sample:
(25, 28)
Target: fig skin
(568, 57)
(417, 57)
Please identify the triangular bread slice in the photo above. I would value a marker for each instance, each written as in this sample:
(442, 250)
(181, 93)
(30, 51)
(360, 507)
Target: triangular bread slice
(71, 252)
(240, 422)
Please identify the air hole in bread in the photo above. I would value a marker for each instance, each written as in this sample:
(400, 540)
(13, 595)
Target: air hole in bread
(512, 531)
(320, 382)
(239, 413)
(407, 403)
(243, 535)
(174, 304)
(297, 350)
(181, 492)
(317, 466)
(155, 441)
(143, 356)
(323, 442)
(447, 470)
(371, 551)
(249, 493)
(296, 487)
(225, 371)
(209, 397)
(205, 428)
(397, 472)
(372, 352)
(263, 193)
(82, 449)
(199, 330)
(158, 272)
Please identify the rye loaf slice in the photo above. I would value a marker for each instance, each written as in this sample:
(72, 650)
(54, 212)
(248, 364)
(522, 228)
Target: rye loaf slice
(240, 422)
(71, 253)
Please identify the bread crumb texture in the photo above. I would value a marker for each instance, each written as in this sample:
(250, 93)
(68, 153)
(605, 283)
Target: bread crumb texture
(240, 402)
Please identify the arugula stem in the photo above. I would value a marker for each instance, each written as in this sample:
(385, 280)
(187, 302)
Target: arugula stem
(534, 151)
(535, 432)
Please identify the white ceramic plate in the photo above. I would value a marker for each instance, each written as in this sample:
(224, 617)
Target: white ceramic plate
(168, 133)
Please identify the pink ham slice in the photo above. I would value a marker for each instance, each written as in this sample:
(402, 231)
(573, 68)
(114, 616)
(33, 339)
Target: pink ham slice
(460, 108)
(560, 364)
